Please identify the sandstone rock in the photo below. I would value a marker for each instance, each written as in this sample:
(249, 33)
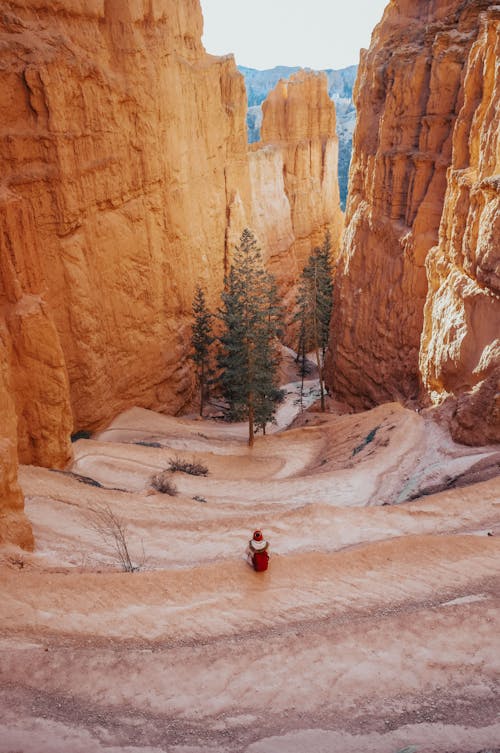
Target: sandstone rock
(409, 93)
(293, 173)
(340, 85)
(124, 181)
(126, 143)
(14, 526)
(460, 352)
(299, 117)
(272, 218)
(32, 351)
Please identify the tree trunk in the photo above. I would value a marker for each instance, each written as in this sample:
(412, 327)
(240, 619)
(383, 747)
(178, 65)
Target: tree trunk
(202, 390)
(316, 339)
(320, 368)
(250, 425)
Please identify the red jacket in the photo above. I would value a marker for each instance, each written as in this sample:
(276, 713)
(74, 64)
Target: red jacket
(259, 555)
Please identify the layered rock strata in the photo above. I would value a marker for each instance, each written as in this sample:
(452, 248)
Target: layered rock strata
(125, 145)
(293, 173)
(124, 181)
(299, 120)
(14, 526)
(426, 78)
(460, 348)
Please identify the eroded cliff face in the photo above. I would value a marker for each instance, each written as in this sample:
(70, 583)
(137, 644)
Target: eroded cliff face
(460, 350)
(293, 172)
(124, 181)
(14, 526)
(32, 356)
(412, 85)
(124, 144)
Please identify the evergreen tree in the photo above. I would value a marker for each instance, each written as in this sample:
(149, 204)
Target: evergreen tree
(201, 341)
(325, 293)
(314, 308)
(248, 358)
(303, 365)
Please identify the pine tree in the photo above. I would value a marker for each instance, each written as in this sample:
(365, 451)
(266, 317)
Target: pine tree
(248, 358)
(303, 365)
(201, 340)
(314, 308)
(325, 293)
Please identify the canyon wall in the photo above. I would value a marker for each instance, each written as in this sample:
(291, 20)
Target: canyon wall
(124, 181)
(14, 526)
(293, 175)
(460, 348)
(427, 78)
(124, 151)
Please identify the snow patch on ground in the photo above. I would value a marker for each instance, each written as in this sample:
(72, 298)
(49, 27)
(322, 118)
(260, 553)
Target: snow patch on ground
(472, 599)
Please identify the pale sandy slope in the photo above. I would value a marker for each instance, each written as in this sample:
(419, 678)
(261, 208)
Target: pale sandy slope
(376, 627)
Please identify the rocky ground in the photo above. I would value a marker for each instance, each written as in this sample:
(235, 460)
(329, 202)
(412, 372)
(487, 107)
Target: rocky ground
(375, 629)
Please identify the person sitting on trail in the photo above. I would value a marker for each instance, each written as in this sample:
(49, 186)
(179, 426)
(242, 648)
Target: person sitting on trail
(258, 555)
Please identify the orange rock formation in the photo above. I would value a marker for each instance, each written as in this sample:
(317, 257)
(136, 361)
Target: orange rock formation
(124, 149)
(14, 526)
(32, 354)
(460, 351)
(427, 79)
(125, 180)
(293, 173)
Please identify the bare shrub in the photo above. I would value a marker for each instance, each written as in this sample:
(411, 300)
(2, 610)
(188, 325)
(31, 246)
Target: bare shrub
(185, 466)
(164, 484)
(112, 529)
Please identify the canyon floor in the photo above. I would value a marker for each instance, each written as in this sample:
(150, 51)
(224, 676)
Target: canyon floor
(375, 629)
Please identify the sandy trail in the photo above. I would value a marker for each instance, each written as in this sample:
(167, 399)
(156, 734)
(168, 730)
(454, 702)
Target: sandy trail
(375, 629)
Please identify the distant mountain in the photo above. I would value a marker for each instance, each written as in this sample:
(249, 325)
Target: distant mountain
(340, 86)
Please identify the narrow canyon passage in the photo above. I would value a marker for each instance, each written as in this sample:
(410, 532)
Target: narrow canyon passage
(375, 628)
(127, 181)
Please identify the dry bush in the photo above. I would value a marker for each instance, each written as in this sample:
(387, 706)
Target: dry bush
(164, 484)
(185, 466)
(112, 528)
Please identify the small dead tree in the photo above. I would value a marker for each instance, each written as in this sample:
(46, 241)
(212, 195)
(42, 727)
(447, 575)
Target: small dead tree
(112, 529)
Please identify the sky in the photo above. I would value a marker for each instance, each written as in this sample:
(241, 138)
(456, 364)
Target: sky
(308, 33)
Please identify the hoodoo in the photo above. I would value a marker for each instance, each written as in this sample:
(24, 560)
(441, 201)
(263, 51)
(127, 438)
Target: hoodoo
(422, 217)
(294, 174)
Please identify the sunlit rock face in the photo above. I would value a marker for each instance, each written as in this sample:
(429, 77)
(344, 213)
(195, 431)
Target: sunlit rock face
(340, 85)
(460, 352)
(124, 145)
(32, 356)
(14, 526)
(421, 87)
(293, 170)
(124, 181)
